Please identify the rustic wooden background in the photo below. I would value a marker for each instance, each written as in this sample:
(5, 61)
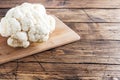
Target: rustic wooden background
(95, 57)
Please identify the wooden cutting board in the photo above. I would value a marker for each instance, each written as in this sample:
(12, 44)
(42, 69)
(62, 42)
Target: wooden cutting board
(62, 35)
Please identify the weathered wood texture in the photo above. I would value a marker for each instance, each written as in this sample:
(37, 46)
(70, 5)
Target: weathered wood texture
(65, 3)
(95, 57)
(82, 15)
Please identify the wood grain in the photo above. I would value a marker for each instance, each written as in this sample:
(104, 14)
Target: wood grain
(95, 57)
(85, 52)
(65, 3)
(87, 15)
(81, 52)
(64, 71)
(96, 31)
(99, 42)
(82, 15)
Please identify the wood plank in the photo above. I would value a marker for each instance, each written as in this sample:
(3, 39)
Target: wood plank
(103, 15)
(70, 15)
(29, 67)
(82, 59)
(87, 15)
(57, 76)
(82, 15)
(79, 67)
(29, 77)
(69, 69)
(97, 31)
(59, 71)
(72, 70)
(65, 3)
(8, 70)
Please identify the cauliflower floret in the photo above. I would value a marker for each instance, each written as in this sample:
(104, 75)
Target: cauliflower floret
(25, 24)
(9, 26)
(35, 35)
(18, 40)
(51, 22)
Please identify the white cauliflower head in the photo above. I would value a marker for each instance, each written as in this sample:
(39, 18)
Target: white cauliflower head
(26, 23)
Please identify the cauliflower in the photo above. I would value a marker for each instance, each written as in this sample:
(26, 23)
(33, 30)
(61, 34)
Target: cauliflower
(25, 24)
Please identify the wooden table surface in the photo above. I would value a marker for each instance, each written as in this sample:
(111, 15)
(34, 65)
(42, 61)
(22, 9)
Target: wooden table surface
(95, 57)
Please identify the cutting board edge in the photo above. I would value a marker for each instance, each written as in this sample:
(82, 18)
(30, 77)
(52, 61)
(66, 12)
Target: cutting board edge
(19, 57)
